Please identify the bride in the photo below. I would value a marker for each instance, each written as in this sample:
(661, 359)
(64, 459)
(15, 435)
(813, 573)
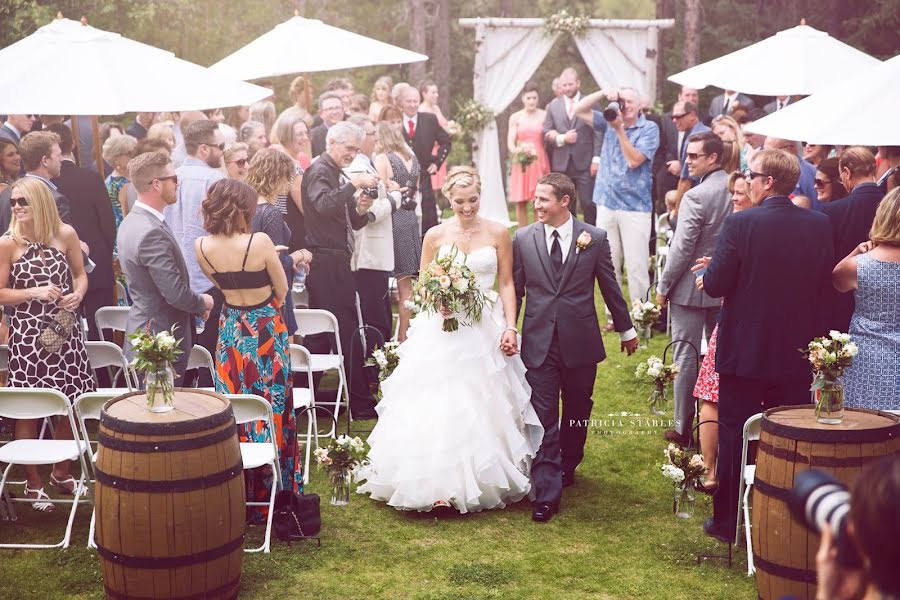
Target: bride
(455, 425)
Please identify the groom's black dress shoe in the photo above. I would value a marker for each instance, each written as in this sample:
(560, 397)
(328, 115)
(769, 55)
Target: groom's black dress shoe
(723, 534)
(568, 478)
(543, 512)
(673, 436)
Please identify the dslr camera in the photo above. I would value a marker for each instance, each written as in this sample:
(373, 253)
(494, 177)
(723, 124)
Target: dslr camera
(817, 499)
(613, 109)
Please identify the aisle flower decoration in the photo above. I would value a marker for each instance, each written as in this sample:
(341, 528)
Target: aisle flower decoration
(661, 375)
(453, 128)
(471, 117)
(644, 315)
(445, 283)
(566, 22)
(524, 155)
(684, 470)
(386, 359)
(153, 356)
(339, 459)
(830, 357)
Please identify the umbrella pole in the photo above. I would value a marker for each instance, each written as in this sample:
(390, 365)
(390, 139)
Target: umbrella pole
(308, 93)
(73, 119)
(98, 151)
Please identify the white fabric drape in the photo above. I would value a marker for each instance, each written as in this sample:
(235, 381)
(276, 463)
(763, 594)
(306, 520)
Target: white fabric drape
(511, 56)
(616, 57)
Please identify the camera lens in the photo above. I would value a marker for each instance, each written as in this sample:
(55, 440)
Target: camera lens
(611, 111)
(819, 499)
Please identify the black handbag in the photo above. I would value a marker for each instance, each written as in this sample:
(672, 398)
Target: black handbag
(296, 516)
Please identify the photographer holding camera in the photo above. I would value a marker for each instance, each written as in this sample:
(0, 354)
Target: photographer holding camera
(623, 189)
(859, 555)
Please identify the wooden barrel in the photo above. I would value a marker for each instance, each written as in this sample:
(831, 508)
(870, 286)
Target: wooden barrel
(170, 498)
(791, 441)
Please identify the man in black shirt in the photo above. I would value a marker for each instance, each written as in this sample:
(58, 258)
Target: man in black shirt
(332, 213)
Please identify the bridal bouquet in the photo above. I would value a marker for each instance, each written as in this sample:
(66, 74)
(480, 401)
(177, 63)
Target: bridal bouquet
(524, 155)
(451, 285)
(153, 356)
(661, 375)
(684, 470)
(830, 357)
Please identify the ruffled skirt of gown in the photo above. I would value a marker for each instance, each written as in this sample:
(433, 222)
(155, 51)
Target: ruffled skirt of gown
(455, 423)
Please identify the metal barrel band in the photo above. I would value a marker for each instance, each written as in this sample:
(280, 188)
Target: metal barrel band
(147, 447)
(171, 485)
(112, 594)
(772, 491)
(170, 562)
(176, 428)
(814, 461)
(792, 573)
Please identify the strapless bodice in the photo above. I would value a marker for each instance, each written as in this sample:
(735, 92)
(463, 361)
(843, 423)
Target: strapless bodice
(482, 261)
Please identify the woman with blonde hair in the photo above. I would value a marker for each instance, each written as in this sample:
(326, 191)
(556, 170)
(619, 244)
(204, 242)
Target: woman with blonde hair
(263, 112)
(117, 151)
(298, 95)
(730, 131)
(162, 131)
(399, 169)
(43, 281)
(235, 160)
(381, 97)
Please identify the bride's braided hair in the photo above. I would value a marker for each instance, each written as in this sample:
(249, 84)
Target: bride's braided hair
(460, 177)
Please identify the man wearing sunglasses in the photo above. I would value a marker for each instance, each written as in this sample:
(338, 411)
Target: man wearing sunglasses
(771, 265)
(205, 147)
(687, 122)
(16, 126)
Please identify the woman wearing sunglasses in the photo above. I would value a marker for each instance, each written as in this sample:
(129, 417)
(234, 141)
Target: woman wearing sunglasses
(828, 181)
(237, 165)
(42, 279)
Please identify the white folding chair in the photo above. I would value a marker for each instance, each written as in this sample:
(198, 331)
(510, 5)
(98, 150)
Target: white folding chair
(200, 358)
(107, 354)
(4, 357)
(747, 474)
(304, 400)
(248, 408)
(87, 408)
(311, 321)
(20, 403)
(111, 317)
(121, 295)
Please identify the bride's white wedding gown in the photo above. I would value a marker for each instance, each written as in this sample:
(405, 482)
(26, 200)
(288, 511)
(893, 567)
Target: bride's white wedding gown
(455, 423)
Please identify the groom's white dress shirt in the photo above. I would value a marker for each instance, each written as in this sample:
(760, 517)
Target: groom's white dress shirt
(565, 242)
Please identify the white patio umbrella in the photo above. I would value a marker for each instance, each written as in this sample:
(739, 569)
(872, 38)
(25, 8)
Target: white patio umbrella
(66, 68)
(299, 46)
(854, 111)
(794, 62)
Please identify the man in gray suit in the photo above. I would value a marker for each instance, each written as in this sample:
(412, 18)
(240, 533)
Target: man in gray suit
(555, 263)
(151, 259)
(573, 143)
(703, 210)
(727, 102)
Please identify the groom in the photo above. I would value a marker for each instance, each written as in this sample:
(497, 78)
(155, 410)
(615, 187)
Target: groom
(555, 263)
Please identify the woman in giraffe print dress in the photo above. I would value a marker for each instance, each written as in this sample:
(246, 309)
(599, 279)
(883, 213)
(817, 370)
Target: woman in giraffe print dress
(41, 274)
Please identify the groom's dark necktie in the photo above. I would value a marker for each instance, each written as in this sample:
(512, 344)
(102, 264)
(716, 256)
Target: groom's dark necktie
(556, 253)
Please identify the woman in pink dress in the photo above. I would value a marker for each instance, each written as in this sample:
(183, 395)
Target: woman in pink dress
(526, 130)
(430, 97)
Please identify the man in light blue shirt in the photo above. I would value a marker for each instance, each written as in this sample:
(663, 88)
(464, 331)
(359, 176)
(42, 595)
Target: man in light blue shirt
(623, 189)
(205, 147)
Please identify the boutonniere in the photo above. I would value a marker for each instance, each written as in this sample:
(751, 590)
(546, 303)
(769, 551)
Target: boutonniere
(584, 241)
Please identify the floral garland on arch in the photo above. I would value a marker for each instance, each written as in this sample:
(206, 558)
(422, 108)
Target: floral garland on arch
(566, 22)
(471, 117)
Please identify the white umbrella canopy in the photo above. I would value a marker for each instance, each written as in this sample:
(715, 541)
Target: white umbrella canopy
(849, 112)
(794, 62)
(297, 46)
(68, 68)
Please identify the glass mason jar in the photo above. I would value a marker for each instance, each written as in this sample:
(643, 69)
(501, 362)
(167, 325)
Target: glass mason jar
(657, 400)
(829, 400)
(683, 501)
(645, 333)
(159, 385)
(340, 487)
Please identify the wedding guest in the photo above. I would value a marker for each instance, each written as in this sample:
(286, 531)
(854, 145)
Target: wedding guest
(672, 139)
(343, 88)
(391, 114)
(359, 105)
(42, 277)
(728, 101)
(815, 153)
(253, 133)
(431, 145)
(428, 89)
(707, 386)
(16, 126)
(331, 110)
(872, 272)
(851, 220)
(381, 96)
(117, 151)
(331, 211)
(42, 160)
(245, 267)
(888, 167)
(236, 161)
(10, 163)
(162, 131)
(396, 163)
(728, 129)
(145, 145)
(109, 129)
(778, 103)
(622, 194)
(182, 122)
(264, 112)
(573, 144)
(806, 184)
(686, 117)
(526, 129)
(237, 116)
(704, 208)
(298, 95)
(291, 135)
(828, 181)
(142, 122)
(782, 289)
(396, 91)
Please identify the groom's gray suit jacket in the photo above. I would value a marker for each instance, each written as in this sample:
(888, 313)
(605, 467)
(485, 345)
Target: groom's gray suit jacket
(566, 306)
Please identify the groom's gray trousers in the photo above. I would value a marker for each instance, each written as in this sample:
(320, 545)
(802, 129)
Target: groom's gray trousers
(688, 324)
(563, 445)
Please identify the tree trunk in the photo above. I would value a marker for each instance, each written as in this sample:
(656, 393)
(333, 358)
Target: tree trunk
(440, 51)
(692, 10)
(665, 9)
(417, 39)
(506, 8)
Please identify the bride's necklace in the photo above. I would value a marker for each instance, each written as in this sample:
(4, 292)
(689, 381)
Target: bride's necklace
(468, 233)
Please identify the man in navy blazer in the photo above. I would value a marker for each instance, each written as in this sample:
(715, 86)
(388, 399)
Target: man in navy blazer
(770, 266)
(851, 219)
